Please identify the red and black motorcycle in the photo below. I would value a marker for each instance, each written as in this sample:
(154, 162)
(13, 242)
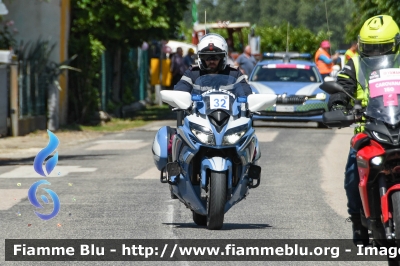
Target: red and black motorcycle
(378, 146)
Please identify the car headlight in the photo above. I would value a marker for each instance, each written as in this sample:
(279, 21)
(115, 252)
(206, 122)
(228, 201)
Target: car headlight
(203, 134)
(233, 135)
(319, 96)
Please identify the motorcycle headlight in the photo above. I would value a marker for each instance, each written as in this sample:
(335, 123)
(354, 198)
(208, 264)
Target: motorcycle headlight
(380, 136)
(233, 135)
(203, 134)
(377, 160)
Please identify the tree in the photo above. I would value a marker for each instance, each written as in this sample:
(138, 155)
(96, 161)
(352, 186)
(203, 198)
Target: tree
(369, 9)
(310, 14)
(112, 26)
(301, 39)
(251, 11)
(389, 7)
(211, 11)
(365, 10)
(128, 22)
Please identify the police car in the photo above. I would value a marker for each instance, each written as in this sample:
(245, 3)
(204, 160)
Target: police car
(295, 79)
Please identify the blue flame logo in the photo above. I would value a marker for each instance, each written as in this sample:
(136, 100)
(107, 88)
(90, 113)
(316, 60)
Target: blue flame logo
(38, 166)
(35, 202)
(42, 155)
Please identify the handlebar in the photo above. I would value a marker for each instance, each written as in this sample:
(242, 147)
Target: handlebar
(343, 118)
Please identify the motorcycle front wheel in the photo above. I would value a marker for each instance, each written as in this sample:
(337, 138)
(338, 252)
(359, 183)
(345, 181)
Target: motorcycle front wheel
(216, 200)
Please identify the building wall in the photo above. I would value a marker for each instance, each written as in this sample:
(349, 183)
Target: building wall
(48, 20)
(34, 19)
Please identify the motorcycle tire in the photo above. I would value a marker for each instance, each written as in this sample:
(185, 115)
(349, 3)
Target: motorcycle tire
(396, 219)
(199, 219)
(216, 200)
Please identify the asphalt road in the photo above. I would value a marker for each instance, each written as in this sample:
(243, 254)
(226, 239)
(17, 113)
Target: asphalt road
(109, 189)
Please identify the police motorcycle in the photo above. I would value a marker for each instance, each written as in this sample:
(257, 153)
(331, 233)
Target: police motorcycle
(212, 161)
(378, 146)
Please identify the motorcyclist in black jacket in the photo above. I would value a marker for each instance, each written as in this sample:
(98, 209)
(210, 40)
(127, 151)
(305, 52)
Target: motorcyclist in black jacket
(379, 35)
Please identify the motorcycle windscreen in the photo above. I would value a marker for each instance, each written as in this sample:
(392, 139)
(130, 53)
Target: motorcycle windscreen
(218, 93)
(385, 108)
(383, 76)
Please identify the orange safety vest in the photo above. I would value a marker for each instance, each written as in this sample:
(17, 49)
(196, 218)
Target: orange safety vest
(321, 65)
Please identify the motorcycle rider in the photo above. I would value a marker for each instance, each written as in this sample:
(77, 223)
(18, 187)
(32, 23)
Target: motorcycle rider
(380, 35)
(212, 59)
(212, 52)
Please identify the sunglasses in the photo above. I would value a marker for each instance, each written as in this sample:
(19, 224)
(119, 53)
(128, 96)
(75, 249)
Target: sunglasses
(210, 57)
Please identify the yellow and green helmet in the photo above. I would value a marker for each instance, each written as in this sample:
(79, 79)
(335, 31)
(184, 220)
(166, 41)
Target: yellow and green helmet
(378, 36)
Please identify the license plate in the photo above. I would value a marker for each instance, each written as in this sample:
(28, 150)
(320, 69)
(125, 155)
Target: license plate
(285, 108)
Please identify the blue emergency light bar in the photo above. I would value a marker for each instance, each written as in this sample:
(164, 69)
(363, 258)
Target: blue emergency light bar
(287, 55)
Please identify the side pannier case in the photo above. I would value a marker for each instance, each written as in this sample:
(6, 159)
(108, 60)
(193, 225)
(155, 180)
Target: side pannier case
(160, 146)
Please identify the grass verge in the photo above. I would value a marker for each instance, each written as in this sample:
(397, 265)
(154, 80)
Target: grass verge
(141, 118)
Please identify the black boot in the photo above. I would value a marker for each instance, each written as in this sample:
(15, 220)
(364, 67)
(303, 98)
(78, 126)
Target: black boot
(360, 233)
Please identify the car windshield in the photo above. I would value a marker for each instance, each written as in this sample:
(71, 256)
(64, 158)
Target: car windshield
(218, 92)
(285, 73)
(383, 76)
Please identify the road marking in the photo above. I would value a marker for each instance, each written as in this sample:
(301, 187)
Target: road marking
(118, 141)
(11, 197)
(118, 145)
(267, 136)
(152, 129)
(152, 173)
(333, 163)
(27, 171)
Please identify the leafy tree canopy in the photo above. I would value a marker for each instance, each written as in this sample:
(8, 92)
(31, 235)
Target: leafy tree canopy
(314, 16)
(367, 9)
(130, 22)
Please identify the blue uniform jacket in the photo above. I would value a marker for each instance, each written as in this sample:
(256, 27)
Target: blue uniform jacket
(190, 76)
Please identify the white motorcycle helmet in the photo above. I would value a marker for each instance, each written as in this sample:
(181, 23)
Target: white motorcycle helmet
(212, 45)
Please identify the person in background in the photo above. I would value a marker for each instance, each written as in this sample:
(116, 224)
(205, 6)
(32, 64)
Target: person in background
(323, 59)
(177, 66)
(352, 51)
(188, 60)
(229, 59)
(229, 42)
(246, 61)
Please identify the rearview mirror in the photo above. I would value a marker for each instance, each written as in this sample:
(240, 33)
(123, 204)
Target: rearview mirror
(331, 87)
(177, 99)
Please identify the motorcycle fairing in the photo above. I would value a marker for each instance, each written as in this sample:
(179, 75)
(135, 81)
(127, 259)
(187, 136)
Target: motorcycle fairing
(385, 202)
(364, 157)
(217, 164)
(359, 141)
